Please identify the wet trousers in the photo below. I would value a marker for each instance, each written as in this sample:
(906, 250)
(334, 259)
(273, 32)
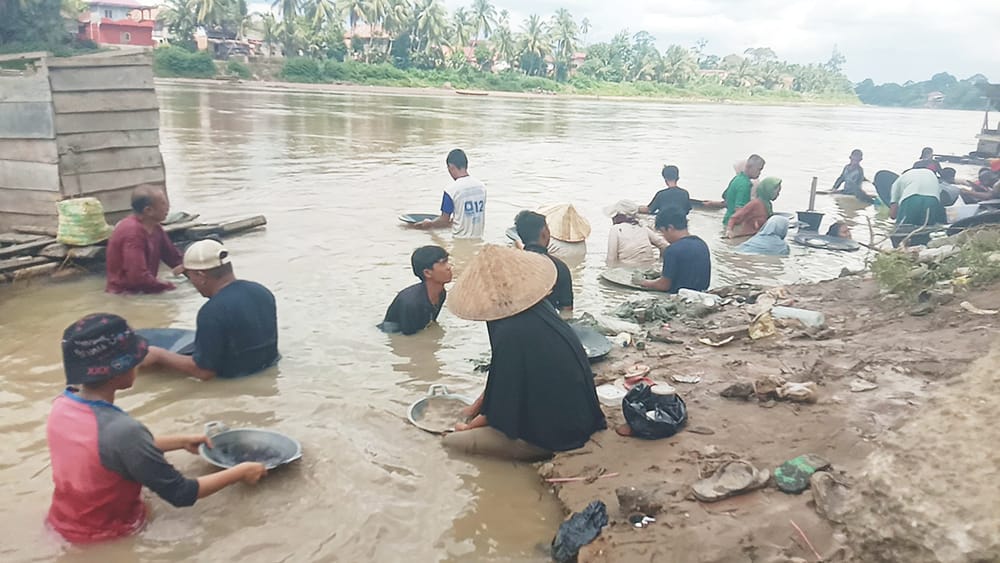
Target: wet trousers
(486, 441)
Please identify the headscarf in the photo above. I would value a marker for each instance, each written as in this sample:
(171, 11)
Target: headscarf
(767, 190)
(624, 211)
(770, 239)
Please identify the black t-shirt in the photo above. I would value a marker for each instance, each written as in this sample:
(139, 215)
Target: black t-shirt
(687, 263)
(237, 330)
(562, 294)
(670, 197)
(411, 311)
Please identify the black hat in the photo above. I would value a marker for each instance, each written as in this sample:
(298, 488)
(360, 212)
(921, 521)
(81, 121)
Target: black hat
(99, 347)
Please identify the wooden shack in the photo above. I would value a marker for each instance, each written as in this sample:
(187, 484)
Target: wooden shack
(73, 127)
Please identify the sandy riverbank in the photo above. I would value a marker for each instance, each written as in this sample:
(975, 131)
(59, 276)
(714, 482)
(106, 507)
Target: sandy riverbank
(344, 88)
(879, 441)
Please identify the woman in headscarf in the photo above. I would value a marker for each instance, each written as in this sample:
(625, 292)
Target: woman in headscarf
(630, 244)
(540, 395)
(748, 219)
(769, 240)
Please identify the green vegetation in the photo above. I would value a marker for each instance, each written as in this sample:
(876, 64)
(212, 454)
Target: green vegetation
(418, 43)
(176, 62)
(976, 263)
(39, 25)
(956, 94)
(236, 68)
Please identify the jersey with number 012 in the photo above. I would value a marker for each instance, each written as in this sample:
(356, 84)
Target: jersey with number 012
(465, 201)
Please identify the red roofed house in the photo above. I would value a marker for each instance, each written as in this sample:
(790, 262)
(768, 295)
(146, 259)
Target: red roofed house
(117, 22)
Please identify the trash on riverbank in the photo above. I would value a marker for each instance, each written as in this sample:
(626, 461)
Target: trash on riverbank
(793, 476)
(731, 479)
(579, 530)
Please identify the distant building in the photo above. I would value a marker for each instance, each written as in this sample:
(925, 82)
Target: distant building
(117, 22)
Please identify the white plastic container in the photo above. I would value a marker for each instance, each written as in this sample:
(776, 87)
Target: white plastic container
(813, 319)
(707, 299)
(610, 395)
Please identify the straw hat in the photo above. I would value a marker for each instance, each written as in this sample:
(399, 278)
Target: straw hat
(501, 282)
(623, 207)
(565, 223)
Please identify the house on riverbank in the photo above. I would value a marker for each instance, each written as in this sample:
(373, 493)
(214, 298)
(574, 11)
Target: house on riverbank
(74, 127)
(118, 22)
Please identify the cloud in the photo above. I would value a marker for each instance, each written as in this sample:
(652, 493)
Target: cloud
(886, 40)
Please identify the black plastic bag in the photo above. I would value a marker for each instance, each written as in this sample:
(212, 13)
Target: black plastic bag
(578, 531)
(653, 416)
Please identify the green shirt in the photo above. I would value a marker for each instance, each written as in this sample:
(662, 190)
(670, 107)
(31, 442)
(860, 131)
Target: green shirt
(736, 195)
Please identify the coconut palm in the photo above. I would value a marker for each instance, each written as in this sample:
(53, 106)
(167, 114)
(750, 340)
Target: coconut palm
(398, 17)
(484, 18)
(289, 10)
(565, 33)
(678, 66)
(270, 28)
(504, 44)
(430, 24)
(356, 11)
(321, 13)
(461, 24)
(585, 28)
(534, 43)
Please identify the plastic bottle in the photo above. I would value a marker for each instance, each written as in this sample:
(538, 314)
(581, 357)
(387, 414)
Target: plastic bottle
(707, 299)
(813, 319)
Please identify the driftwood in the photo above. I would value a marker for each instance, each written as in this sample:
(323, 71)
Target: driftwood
(17, 238)
(25, 248)
(60, 251)
(21, 262)
(38, 231)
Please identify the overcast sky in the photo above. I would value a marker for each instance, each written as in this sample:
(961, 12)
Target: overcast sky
(886, 40)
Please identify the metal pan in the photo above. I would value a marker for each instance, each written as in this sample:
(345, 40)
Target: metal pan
(411, 218)
(233, 447)
(622, 277)
(594, 343)
(438, 412)
(816, 240)
(177, 340)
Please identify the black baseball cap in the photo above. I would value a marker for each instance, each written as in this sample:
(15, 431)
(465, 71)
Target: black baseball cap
(99, 347)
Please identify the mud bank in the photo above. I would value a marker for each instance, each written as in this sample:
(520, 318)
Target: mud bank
(919, 493)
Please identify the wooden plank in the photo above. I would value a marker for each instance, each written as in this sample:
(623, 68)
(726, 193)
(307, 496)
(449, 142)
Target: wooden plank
(233, 227)
(28, 247)
(31, 202)
(107, 121)
(26, 88)
(109, 160)
(18, 238)
(85, 184)
(119, 77)
(115, 201)
(83, 142)
(23, 56)
(19, 262)
(104, 59)
(178, 227)
(59, 251)
(85, 102)
(27, 120)
(29, 175)
(30, 150)
(33, 271)
(36, 230)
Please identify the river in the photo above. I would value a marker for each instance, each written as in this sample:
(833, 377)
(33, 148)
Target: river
(331, 171)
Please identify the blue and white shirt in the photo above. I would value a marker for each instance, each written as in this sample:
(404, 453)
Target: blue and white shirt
(465, 201)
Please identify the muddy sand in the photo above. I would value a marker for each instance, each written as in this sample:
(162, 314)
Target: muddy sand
(916, 453)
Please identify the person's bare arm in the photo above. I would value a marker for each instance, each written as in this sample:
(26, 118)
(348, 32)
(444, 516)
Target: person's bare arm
(659, 284)
(189, 442)
(477, 422)
(249, 472)
(473, 409)
(177, 362)
(443, 221)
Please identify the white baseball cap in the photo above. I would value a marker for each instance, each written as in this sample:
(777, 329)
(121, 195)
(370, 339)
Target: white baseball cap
(205, 255)
(623, 207)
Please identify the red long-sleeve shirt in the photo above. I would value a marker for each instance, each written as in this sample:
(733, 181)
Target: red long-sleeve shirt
(134, 255)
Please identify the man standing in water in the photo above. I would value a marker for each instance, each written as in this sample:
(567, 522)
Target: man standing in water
(740, 187)
(852, 177)
(533, 230)
(671, 196)
(237, 332)
(687, 262)
(101, 456)
(419, 305)
(463, 206)
(139, 243)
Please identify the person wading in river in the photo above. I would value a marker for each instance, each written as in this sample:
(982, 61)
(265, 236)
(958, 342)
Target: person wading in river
(237, 332)
(419, 305)
(533, 230)
(741, 186)
(852, 177)
(540, 395)
(671, 196)
(916, 198)
(139, 243)
(687, 263)
(463, 205)
(102, 457)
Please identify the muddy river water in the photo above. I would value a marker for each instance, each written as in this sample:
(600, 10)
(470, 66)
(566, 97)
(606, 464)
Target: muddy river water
(331, 171)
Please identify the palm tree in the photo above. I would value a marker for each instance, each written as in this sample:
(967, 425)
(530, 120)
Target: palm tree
(397, 18)
(181, 17)
(504, 44)
(679, 66)
(375, 14)
(534, 43)
(269, 28)
(430, 24)
(356, 11)
(484, 18)
(321, 13)
(289, 10)
(585, 28)
(564, 32)
(461, 25)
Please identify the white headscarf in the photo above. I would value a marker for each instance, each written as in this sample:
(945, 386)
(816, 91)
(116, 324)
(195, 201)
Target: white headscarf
(769, 240)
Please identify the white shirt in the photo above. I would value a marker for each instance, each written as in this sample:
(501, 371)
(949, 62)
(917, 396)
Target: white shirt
(465, 201)
(918, 181)
(633, 245)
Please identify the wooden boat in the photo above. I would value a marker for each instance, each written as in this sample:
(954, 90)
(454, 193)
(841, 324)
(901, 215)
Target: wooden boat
(471, 93)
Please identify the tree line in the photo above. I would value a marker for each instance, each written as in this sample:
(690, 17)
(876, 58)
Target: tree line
(942, 90)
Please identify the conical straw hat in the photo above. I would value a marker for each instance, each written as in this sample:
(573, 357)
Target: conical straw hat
(501, 282)
(565, 223)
